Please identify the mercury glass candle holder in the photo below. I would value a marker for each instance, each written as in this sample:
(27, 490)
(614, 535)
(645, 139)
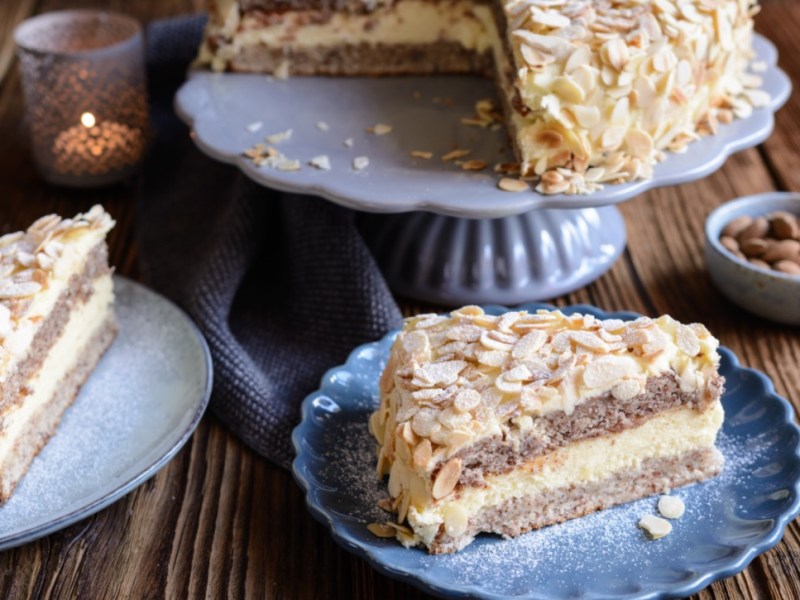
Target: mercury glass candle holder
(83, 79)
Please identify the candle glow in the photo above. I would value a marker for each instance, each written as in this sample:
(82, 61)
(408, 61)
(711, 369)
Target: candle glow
(88, 120)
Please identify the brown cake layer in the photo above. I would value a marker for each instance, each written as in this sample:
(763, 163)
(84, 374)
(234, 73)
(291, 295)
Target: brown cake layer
(365, 59)
(43, 425)
(595, 417)
(78, 292)
(519, 515)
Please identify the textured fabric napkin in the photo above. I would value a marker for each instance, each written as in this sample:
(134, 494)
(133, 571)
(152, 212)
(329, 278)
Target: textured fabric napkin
(282, 286)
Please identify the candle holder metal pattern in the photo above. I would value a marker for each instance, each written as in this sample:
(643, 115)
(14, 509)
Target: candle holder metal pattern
(85, 97)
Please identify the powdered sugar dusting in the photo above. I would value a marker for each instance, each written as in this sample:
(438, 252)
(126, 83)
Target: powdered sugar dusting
(603, 551)
(136, 405)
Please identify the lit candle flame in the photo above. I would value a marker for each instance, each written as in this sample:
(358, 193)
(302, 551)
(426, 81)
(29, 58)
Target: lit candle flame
(87, 120)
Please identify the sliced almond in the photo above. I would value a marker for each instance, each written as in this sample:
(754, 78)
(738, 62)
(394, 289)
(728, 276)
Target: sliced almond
(447, 478)
(507, 184)
(382, 530)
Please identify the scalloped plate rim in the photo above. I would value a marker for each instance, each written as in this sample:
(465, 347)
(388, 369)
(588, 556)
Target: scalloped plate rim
(420, 580)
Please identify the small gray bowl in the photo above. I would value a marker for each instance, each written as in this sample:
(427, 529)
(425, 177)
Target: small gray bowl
(769, 294)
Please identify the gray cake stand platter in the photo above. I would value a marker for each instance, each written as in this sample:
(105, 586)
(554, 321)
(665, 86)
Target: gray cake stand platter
(450, 236)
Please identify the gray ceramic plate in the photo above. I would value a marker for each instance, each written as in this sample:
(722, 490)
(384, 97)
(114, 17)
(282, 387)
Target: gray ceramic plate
(137, 409)
(219, 107)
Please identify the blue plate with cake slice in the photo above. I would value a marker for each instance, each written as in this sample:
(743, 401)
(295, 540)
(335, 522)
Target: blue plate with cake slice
(729, 519)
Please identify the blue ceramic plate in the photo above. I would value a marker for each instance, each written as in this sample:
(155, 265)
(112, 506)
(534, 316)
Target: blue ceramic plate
(729, 520)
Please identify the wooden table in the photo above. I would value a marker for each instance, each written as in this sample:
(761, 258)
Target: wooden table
(221, 521)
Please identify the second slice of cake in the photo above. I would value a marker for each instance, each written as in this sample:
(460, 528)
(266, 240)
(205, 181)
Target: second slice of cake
(508, 423)
(56, 321)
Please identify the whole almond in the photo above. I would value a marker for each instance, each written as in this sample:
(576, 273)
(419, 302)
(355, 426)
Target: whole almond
(729, 243)
(737, 226)
(782, 250)
(753, 247)
(787, 266)
(757, 262)
(785, 226)
(757, 229)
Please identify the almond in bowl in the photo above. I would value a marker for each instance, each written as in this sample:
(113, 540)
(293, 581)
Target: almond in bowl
(753, 254)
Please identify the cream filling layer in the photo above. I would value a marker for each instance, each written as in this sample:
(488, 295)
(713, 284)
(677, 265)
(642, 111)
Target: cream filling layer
(405, 22)
(76, 250)
(67, 352)
(672, 434)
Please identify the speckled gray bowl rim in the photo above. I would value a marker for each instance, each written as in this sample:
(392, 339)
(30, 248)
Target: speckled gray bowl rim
(720, 216)
(148, 470)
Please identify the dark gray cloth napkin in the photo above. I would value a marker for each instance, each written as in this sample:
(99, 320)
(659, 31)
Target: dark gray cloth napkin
(282, 286)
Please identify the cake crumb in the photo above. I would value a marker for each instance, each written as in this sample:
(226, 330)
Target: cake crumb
(671, 507)
(422, 154)
(321, 162)
(322, 126)
(279, 137)
(380, 129)
(254, 126)
(348, 143)
(360, 162)
(656, 527)
(453, 154)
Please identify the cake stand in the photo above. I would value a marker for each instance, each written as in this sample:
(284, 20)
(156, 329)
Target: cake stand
(451, 236)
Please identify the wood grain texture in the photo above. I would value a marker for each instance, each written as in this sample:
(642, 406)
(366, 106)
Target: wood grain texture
(219, 521)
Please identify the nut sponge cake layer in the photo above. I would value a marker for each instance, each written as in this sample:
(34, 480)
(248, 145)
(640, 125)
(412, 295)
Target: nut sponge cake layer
(594, 91)
(483, 416)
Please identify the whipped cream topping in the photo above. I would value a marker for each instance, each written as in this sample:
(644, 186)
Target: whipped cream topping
(35, 267)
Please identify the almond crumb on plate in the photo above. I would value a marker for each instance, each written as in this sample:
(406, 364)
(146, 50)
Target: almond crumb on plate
(453, 154)
(421, 154)
(382, 530)
(281, 136)
(473, 165)
(656, 527)
(360, 162)
(322, 126)
(671, 507)
(254, 126)
(380, 129)
(321, 162)
(348, 143)
(289, 165)
(508, 184)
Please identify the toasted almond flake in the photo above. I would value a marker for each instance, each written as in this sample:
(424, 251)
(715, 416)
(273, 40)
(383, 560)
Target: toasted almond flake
(277, 138)
(466, 400)
(360, 162)
(473, 165)
(289, 165)
(447, 478)
(422, 454)
(656, 527)
(507, 184)
(606, 371)
(321, 162)
(671, 507)
(492, 358)
(380, 129)
(425, 422)
(382, 530)
(687, 341)
(454, 154)
(421, 154)
(322, 126)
